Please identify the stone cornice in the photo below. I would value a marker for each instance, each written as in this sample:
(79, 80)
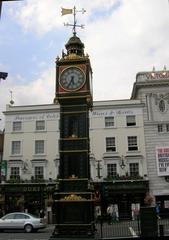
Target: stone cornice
(152, 83)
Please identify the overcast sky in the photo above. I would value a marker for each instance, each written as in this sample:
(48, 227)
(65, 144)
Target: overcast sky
(122, 38)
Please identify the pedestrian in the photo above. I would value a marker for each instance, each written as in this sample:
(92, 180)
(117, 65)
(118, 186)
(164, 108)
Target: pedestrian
(109, 213)
(158, 210)
(97, 213)
(42, 213)
(112, 214)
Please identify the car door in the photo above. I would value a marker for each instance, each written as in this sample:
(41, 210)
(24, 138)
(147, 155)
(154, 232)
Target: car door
(7, 221)
(19, 221)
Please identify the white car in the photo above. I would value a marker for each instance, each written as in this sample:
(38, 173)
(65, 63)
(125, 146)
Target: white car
(22, 221)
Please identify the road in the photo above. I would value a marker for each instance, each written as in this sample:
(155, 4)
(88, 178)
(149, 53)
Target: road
(43, 234)
(118, 229)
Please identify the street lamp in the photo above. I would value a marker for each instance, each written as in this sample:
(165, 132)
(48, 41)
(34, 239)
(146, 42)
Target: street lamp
(122, 163)
(3, 75)
(98, 168)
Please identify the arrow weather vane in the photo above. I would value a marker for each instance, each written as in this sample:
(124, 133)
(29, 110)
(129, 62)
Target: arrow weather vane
(74, 12)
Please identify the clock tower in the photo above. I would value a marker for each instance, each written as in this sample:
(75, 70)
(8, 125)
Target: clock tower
(74, 202)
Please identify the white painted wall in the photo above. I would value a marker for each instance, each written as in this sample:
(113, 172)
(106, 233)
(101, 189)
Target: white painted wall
(98, 133)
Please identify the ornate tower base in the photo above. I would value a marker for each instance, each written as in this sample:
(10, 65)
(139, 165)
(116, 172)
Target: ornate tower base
(74, 210)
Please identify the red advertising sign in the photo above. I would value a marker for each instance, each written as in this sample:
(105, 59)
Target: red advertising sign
(162, 157)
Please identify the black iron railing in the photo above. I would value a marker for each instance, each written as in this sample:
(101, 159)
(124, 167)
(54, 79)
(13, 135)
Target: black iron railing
(127, 229)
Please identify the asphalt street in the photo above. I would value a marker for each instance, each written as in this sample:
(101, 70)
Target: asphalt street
(43, 234)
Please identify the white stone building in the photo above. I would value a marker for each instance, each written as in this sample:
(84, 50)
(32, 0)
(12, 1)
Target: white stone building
(117, 139)
(31, 146)
(152, 89)
(31, 141)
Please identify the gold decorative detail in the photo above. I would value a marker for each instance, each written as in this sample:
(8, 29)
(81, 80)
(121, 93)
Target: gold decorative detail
(72, 56)
(73, 136)
(73, 176)
(73, 197)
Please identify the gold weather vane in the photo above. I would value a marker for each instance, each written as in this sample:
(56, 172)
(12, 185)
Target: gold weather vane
(74, 12)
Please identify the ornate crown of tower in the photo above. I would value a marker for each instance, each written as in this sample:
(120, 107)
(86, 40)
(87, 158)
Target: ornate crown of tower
(75, 48)
(67, 82)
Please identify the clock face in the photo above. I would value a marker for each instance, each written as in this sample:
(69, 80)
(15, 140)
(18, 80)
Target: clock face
(72, 79)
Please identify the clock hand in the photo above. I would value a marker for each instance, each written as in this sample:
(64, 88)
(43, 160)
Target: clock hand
(71, 81)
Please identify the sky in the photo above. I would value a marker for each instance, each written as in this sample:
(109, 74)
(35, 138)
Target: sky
(121, 37)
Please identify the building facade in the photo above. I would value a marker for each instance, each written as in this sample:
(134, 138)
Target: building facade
(117, 139)
(117, 153)
(31, 142)
(152, 89)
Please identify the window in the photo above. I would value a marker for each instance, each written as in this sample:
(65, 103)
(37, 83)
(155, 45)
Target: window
(134, 169)
(17, 126)
(21, 216)
(167, 127)
(131, 120)
(73, 126)
(16, 147)
(162, 106)
(110, 144)
(109, 121)
(112, 170)
(9, 216)
(39, 172)
(40, 125)
(132, 143)
(39, 146)
(160, 127)
(15, 173)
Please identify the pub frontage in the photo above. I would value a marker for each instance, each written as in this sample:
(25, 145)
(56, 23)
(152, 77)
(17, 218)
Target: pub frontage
(27, 197)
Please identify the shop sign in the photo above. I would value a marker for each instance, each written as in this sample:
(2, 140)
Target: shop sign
(28, 188)
(33, 117)
(158, 75)
(115, 112)
(162, 157)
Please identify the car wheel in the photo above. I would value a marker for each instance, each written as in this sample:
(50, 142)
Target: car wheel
(28, 228)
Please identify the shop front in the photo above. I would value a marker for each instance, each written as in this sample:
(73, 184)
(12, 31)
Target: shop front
(124, 198)
(28, 197)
